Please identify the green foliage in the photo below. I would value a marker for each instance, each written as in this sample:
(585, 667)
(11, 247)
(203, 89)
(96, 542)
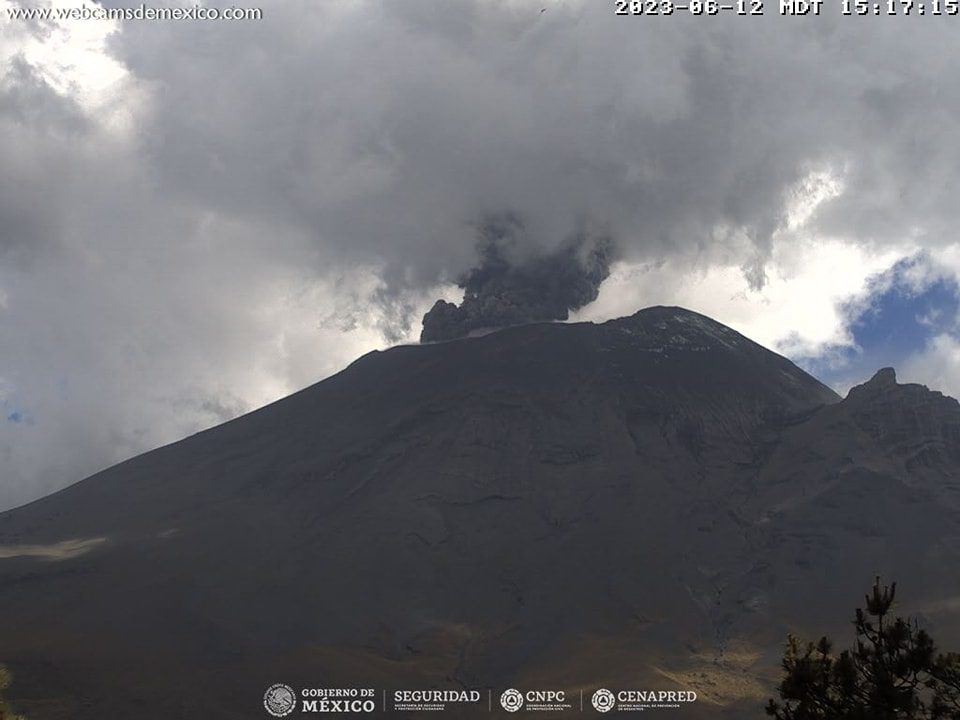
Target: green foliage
(893, 672)
(5, 712)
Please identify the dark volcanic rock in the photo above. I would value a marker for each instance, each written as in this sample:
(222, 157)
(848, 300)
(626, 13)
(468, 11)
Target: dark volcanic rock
(651, 501)
(917, 426)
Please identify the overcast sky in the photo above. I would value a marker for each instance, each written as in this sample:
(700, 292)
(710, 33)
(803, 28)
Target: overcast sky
(199, 217)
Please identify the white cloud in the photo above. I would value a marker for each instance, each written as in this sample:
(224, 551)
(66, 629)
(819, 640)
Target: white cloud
(937, 366)
(70, 56)
(799, 311)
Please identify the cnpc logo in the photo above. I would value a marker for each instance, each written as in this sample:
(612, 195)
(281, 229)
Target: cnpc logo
(513, 700)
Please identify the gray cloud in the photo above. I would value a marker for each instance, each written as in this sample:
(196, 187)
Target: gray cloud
(386, 130)
(259, 201)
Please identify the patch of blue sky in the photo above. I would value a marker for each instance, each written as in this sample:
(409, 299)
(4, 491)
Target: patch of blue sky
(902, 310)
(13, 413)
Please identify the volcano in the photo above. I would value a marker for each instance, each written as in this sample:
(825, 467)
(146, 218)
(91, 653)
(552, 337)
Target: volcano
(654, 501)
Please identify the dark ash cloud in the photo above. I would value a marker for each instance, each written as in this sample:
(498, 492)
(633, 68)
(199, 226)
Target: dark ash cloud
(503, 291)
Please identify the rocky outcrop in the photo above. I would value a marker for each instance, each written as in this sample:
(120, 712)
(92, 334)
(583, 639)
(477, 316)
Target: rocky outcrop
(918, 426)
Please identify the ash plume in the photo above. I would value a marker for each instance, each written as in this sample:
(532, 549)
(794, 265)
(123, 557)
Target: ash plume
(504, 290)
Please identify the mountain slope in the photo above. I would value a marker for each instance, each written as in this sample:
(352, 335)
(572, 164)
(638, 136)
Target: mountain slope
(654, 499)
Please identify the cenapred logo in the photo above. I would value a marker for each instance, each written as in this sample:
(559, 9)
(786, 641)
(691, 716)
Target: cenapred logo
(280, 700)
(639, 700)
(603, 700)
(511, 700)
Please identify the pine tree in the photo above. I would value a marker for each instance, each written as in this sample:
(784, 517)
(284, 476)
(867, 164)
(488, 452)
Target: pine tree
(893, 672)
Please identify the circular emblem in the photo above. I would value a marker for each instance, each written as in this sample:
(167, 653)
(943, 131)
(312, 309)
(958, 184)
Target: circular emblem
(603, 700)
(280, 700)
(511, 700)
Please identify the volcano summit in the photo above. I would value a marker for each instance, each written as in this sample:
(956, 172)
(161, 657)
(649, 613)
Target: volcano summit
(651, 502)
